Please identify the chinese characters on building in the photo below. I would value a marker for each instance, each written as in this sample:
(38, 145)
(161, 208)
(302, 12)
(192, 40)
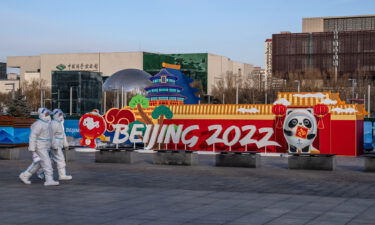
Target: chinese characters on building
(83, 66)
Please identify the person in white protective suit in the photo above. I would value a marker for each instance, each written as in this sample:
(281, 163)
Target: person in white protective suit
(39, 145)
(58, 143)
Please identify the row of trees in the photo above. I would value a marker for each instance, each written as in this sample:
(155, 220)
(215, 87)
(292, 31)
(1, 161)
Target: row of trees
(351, 88)
(225, 90)
(24, 100)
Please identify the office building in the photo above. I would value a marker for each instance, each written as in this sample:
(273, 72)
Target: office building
(344, 48)
(202, 67)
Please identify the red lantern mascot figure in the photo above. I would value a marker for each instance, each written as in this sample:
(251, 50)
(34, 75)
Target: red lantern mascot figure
(279, 110)
(321, 110)
(91, 126)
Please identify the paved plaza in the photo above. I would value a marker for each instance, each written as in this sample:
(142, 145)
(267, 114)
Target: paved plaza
(143, 193)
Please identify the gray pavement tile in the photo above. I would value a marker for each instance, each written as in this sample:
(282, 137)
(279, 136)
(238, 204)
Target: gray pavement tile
(287, 221)
(327, 222)
(360, 222)
(252, 219)
(126, 221)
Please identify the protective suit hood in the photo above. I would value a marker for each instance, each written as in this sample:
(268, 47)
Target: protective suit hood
(44, 114)
(58, 115)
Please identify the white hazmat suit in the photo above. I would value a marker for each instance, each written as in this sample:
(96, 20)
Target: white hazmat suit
(39, 145)
(58, 143)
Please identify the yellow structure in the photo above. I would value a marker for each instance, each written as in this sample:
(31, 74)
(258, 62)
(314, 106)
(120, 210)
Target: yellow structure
(339, 110)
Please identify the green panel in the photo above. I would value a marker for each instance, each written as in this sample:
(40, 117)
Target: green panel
(194, 66)
(152, 62)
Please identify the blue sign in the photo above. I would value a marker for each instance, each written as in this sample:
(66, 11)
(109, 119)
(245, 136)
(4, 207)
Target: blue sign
(72, 129)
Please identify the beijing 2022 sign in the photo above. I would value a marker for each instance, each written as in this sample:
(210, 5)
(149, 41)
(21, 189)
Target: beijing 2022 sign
(297, 129)
(175, 134)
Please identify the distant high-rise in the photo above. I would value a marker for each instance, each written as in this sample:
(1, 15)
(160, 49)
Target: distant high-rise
(332, 46)
(3, 71)
(268, 60)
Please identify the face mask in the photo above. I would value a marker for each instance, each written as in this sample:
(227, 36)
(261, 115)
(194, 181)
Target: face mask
(58, 116)
(45, 118)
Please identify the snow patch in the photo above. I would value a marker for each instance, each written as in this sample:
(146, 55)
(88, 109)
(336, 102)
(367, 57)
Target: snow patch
(315, 95)
(282, 101)
(86, 150)
(252, 110)
(347, 110)
(328, 101)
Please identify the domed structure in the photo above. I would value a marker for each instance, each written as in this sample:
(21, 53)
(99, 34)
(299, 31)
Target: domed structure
(127, 80)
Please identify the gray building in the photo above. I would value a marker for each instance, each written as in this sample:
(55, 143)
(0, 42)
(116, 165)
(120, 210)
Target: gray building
(3, 71)
(203, 67)
(340, 23)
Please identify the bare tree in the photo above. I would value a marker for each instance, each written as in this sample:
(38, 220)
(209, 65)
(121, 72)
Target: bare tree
(32, 91)
(350, 90)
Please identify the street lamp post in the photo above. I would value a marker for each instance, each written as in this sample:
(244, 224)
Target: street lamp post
(353, 87)
(236, 91)
(299, 85)
(220, 78)
(237, 86)
(71, 101)
(41, 97)
(368, 100)
(104, 101)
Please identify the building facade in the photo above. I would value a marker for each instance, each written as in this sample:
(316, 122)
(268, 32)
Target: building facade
(9, 85)
(202, 67)
(341, 23)
(297, 53)
(76, 92)
(331, 46)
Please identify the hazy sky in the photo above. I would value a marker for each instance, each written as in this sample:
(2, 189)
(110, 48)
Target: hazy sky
(236, 29)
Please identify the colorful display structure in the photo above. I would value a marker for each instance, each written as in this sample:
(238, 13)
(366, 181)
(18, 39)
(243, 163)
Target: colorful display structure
(183, 81)
(164, 90)
(296, 122)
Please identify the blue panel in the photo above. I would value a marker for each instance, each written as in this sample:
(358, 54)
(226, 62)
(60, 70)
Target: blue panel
(368, 137)
(184, 82)
(22, 135)
(72, 129)
(6, 135)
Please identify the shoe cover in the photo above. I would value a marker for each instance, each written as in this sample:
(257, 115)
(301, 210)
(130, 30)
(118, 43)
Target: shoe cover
(24, 177)
(63, 176)
(50, 182)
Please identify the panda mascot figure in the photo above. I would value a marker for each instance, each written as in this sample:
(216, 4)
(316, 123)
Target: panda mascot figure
(300, 130)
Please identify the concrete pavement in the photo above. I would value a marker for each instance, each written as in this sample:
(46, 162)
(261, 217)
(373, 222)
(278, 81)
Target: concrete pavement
(143, 193)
